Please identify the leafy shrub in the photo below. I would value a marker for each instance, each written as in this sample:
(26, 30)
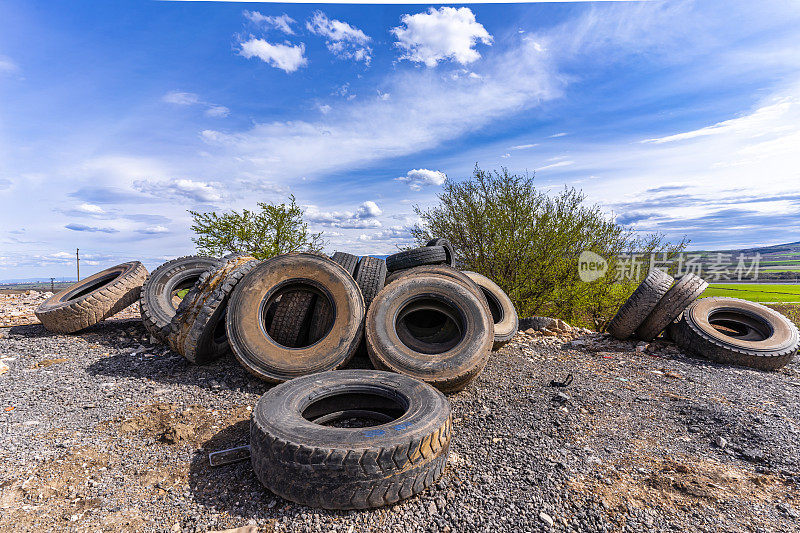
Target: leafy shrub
(529, 243)
(273, 230)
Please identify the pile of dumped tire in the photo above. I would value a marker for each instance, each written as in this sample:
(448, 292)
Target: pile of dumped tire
(725, 330)
(324, 437)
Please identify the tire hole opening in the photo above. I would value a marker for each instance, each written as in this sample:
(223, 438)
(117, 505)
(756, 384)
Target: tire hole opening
(354, 410)
(298, 314)
(740, 326)
(495, 307)
(96, 284)
(429, 326)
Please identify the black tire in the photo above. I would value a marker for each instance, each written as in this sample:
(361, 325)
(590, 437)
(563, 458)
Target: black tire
(428, 255)
(371, 277)
(448, 248)
(291, 313)
(504, 314)
(640, 304)
(348, 261)
(686, 289)
(450, 364)
(197, 331)
(93, 299)
(345, 467)
(737, 332)
(258, 352)
(157, 304)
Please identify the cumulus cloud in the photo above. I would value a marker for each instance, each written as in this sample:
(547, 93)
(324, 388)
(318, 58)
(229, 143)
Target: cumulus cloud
(286, 57)
(197, 191)
(441, 34)
(84, 227)
(392, 233)
(364, 217)
(342, 39)
(191, 99)
(422, 177)
(91, 209)
(280, 22)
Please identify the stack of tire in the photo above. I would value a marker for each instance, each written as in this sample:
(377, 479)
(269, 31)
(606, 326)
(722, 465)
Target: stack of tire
(298, 319)
(725, 330)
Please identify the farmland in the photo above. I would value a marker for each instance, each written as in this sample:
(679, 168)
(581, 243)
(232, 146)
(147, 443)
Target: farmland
(756, 292)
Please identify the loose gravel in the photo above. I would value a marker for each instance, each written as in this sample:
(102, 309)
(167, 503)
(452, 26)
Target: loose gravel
(107, 430)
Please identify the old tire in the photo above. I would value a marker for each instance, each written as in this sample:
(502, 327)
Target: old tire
(448, 250)
(504, 315)
(157, 303)
(197, 331)
(345, 467)
(449, 364)
(686, 289)
(643, 300)
(348, 261)
(267, 359)
(737, 332)
(371, 277)
(93, 299)
(427, 255)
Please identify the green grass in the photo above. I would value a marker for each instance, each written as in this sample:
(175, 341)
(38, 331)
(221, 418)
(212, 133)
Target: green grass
(183, 293)
(781, 262)
(756, 292)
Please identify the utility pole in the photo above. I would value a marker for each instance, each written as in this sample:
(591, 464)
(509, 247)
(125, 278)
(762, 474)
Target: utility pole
(78, 262)
(52, 287)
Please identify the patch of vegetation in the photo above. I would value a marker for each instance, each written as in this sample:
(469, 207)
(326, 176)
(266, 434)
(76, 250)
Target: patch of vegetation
(270, 231)
(791, 311)
(756, 292)
(529, 242)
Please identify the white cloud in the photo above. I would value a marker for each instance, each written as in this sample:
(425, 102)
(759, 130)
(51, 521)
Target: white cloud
(91, 209)
(422, 177)
(217, 111)
(7, 65)
(197, 191)
(154, 230)
(190, 99)
(342, 39)
(324, 108)
(440, 34)
(181, 98)
(369, 209)
(763, 121)
(383, 96)
(556, 165)
(523, 146)
(286, 57)
(364, 217)
(556, 135)
(281, 22)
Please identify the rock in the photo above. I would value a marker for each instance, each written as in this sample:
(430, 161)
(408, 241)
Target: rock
(530, 331)
(642, 347)
(547, 333)
(3, 368)
(432, 507)
(563, 326)
(243, 529)
(546, 518)
(720, 441)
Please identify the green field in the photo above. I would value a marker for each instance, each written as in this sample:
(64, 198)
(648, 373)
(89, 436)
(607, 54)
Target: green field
(756, 292)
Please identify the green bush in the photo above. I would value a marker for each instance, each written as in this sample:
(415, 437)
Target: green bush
(273, 230)
(529, 242)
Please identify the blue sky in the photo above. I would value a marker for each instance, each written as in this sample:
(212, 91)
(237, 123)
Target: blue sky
(117, 117)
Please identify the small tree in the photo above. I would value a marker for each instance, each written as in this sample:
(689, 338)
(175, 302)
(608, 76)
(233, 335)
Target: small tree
(273, 230)
(529, 242)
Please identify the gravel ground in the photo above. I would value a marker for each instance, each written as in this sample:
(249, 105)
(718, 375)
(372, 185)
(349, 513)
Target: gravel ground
(105, 430)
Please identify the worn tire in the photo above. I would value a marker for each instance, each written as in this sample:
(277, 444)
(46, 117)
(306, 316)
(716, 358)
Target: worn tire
(686, 289)
(427, 255)
(348, 261)
(350, 468)
(197, 331)
(93, 299)
(453, 364)
(504, 315)
(762, 337)
(448, 249)
(156, 303)
(643, 300)
(259, 353)
(291, 313)
(371, 277)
